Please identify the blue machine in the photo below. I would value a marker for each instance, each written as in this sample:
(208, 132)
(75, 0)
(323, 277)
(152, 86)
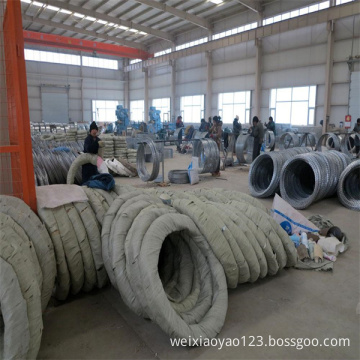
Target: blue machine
(123, 121)
(155, 121)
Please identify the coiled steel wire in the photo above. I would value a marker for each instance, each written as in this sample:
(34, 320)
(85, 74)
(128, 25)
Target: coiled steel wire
(207, 152)
(140, 160)
(348, 143)
(264, 174)
(244, 148)
(348, 188)
(269, 139)
(330, 140)
(288, 140)
(51, 164)
(307, 178)
(308, 139)
(178, 176)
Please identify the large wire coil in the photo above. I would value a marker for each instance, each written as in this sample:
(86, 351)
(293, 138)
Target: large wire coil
(307, 178)
(207, 151)
(140, 160)
(330, 140)
(264, 174)
(244, 148)
(349, 186)
(288, 140)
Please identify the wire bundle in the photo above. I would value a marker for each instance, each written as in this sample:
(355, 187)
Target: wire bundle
(207, 151)
(264, 174)
(307, 178)
(349, 186)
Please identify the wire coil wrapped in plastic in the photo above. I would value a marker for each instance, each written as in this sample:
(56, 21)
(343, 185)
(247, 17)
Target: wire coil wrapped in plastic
(208, 153)
(307, 178)
(244, 148)
(349, 186)
(330, 140)
(264, 174)
(288, 140)
(140, 160)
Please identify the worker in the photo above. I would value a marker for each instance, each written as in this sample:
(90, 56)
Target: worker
(204, 126)
(179, 125)
(257, 132)
(91, 145)
(236, 127)
(189, 131)
(271, 126)
(216, 134)
(357, 138)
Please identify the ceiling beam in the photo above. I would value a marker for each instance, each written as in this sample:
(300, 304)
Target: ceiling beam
(85, 32)
(64, 42)
(160, 34)
(251, 4)
(197, 20)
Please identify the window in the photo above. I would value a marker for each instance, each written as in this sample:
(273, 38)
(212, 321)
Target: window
(293, 105)
(339, 2)
(134, 61)
(232, 104)
(191, 43)
(299, 12)
(192, 108)
(99, 62)
(51, 57)
(104, 110)
(167, 51)
(235, 31)
(137, 110)
(164, 106)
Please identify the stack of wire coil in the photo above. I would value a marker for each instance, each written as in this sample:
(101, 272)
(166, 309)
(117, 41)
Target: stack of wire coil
(307, 178)
(264, 174)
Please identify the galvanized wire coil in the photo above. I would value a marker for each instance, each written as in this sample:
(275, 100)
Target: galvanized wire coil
(264, 174)
(269, 139)
(308, 139)
(140, 160)
(200, 135)
(348, 143)
(207, 151)
(288, 140)
(325, 139)
(348, 189)
(307, 178)
(243, 148)
(178, 176)
(50, 164)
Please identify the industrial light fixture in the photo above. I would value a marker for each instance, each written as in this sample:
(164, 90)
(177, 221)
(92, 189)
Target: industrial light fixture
(90, 18)
(217, 2)
(64, 11)
(79, 15)
(54, 8)
(26, 1)
(102, 22)
(122, 27)
(36, 3)
(133, 30)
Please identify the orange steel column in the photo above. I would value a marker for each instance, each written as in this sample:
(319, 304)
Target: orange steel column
(18, 108)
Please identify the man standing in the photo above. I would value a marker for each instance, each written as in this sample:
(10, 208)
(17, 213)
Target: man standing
(271, 126)
(216, 134)
(357, 138)
(179, 125)
(236, 127)
(258, 134)
(91, 145)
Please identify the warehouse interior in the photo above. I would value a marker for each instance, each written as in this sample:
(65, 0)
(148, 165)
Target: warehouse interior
(183, 235)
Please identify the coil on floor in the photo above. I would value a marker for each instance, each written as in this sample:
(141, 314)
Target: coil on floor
(288, 140)
(331, 141)
(140, 160)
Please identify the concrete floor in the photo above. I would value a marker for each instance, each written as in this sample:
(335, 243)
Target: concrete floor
(292, 304)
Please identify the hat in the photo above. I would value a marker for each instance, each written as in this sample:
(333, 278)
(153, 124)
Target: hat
(93, 126)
